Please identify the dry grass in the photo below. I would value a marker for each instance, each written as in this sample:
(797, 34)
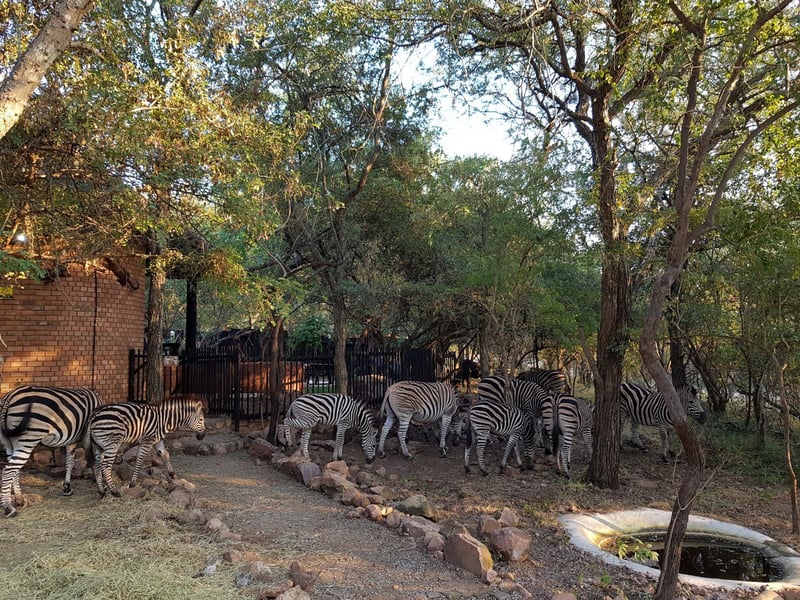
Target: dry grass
(109, 549)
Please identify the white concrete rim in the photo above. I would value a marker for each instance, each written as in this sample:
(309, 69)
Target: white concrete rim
(588, 531)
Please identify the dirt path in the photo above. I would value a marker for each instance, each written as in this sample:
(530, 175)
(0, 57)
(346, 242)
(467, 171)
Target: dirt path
(284, 522)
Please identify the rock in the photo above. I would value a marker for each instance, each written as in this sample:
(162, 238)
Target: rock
(354, 497)
(367, 479)
(293, 593)
(302, 576)
(338, 467)
(181, 497)
(487, 524)
(417, 505)
(331, 484)
(260, 572)
(273, 589)
(511, 543)
(417, 526)
(393, 519)
(307, 471)
(432, 542)
(463, 550)
(508, 518)
(451, 527)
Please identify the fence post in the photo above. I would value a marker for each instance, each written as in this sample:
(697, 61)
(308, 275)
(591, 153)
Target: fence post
(131, 371)
(237, 392)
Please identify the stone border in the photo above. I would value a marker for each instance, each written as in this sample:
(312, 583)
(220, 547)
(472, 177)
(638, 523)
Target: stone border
(588, 531)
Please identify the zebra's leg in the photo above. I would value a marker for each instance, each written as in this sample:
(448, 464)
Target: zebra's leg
(402, 431)
(443, 435)
(387, 425)
(10, 491)
(636, 439)
(106, 461)
(144, 450)
(287, 431)
(467, 447)
(666, 451)
(162, 452)
(483, 437)
(339, 445)
(304, 439)
(510, 444)
(69, 457)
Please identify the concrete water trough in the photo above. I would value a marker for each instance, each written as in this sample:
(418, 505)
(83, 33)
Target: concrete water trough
(596, 533)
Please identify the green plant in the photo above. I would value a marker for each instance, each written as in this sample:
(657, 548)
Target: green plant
(632, 548)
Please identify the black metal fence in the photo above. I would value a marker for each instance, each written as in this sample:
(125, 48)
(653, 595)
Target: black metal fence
(239, 386)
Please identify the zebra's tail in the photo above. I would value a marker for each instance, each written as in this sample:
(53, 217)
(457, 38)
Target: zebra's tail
(556, 434)
(385, 402)
(21, 427)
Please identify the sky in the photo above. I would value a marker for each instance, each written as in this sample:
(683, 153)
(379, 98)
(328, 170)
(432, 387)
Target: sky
(465, 132)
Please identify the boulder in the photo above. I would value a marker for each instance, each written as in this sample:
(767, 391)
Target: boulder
(487, 524)
(417, 526)
(417, 505)
(511, 543)
(508, 518)
(463, 550)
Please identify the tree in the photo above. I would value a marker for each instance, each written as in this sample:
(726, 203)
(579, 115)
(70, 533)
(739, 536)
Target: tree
(52, 39)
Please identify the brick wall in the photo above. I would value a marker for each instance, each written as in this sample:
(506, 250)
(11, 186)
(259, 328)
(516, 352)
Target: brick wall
(73, 332)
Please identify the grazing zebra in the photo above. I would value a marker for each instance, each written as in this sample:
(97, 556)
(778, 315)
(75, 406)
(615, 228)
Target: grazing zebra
(646, 406)
(53, 417)
(552, 381)
(566, 418)
(487, 417)
(419, 402)
(113, 425)
(526, 395)
(331, 409)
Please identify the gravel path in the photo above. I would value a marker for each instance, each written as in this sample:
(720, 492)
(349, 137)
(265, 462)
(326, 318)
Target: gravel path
(284, 521)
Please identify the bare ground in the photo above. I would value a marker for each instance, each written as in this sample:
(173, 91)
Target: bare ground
(361, 559)
(281, 521)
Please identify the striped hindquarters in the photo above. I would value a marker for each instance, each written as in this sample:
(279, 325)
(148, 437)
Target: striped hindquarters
(646, 406)
(309, 410)
(551, 380)
(526, 395)
(49, 416)
(124, 423)
(132, 422)
(488, 417)
(420, 401)
(571, 419)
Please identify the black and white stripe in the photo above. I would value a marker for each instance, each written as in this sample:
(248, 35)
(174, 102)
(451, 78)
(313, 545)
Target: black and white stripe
(567, 418)
(419, 402)
(487, 418)
(309, 410)
(53, 417)
(113, 425)
(553, 381)
(525, 395)
(646, 406)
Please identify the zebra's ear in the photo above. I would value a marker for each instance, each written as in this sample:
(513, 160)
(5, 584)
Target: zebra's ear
(200, 406)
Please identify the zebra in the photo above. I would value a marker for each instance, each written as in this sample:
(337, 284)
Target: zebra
(488, 417)
(420, 402)
(566, 418)
(527, 395)
(646, 406)
(113, 425)
(345, 412)
(50, 416)
(553, 381)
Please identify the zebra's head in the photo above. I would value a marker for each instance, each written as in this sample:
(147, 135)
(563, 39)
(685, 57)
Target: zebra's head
(692, 404)
(194, 420)
(369, 435)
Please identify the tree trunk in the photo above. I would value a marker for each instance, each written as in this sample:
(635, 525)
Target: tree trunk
(340, 345)
(190, 339)
(613, 337)
(154, 363)
(54, 37)
(276, 378)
